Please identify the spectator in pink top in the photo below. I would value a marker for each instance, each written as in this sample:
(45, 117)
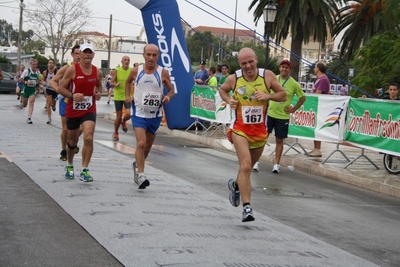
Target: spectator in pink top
(343, 90)
(321, 86)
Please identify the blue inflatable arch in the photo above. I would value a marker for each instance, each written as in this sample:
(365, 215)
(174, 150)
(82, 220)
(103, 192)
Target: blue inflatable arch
(163, 27)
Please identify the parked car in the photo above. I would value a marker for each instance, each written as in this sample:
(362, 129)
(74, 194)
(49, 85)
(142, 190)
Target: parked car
(8, 83)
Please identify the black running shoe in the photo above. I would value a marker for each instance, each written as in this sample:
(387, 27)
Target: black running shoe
(63, 155)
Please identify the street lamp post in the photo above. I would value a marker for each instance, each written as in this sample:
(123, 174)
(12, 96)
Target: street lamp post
(269, 14)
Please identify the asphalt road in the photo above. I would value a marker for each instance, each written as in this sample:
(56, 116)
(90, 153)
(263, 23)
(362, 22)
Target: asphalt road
(358, 221)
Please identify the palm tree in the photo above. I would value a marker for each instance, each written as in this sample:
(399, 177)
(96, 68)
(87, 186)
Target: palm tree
(304, 19)
(361, 20)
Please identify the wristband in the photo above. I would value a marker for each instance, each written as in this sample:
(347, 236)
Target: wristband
(71, 96)
(169, 99)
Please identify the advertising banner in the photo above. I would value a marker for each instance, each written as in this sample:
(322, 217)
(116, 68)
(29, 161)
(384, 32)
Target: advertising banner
(374, 124)
(162, 23)
(207, 104)
(321, 117)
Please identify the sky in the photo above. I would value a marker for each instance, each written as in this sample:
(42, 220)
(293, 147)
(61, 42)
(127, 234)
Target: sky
(127, 20)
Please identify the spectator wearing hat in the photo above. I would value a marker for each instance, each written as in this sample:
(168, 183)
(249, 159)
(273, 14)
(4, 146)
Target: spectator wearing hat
(279, 112)
(201, 75)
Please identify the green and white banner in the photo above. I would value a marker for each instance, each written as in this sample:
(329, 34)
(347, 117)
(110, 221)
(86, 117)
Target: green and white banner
(207, 104)
(321, 117)
(374, 124)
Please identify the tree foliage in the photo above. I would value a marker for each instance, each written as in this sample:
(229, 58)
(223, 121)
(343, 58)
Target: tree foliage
(9, 35)
(3, 59)
(32, 46)
(377, 62)
(303, 19)
(202, 46)
(340, 68)
(59, 22)
(42, 61)
(361, 20)
(5, 32)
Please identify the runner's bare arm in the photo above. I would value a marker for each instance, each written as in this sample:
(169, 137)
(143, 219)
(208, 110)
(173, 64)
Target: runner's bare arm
(167, 81)
(60, 73)
(99, 85)
(128, 83)
(225, 89)
(63, 88)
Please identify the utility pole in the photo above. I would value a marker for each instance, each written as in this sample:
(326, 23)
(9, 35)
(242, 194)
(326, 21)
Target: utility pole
(21, 8)
(109, 44)
(234, 29)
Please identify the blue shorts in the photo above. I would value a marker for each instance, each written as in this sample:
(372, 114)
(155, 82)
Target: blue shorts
(62, 107)
(149, 124)
(281, 127)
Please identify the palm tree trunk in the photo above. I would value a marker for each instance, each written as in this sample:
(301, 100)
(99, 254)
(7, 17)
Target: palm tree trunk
(296, 48)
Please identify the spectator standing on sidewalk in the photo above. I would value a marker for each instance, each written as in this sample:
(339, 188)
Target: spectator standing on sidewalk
(118, 82)
(393, 91)
(321, 86)
(201, 76)
(343, 90)
(147, 102)
(82, 85)
(279, 112)
(212, 81)
(248, 132)
(224, 75)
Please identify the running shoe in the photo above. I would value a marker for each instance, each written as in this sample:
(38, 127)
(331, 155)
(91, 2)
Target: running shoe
(135, 171)
(256, 167)
(48, 121)
(141, 181)
(18, 98)
(247, 215)
(63, 154)
(69, 172)
(85, 176)
(234, 196)
(54, 108)
(124, 127)
(115, 137)
(276, 168)
(76, 149)
(29, 121)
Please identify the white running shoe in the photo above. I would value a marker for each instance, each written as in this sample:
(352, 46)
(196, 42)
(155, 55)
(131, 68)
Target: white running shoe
(141, 181)
(276, 168)
(256, 167)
